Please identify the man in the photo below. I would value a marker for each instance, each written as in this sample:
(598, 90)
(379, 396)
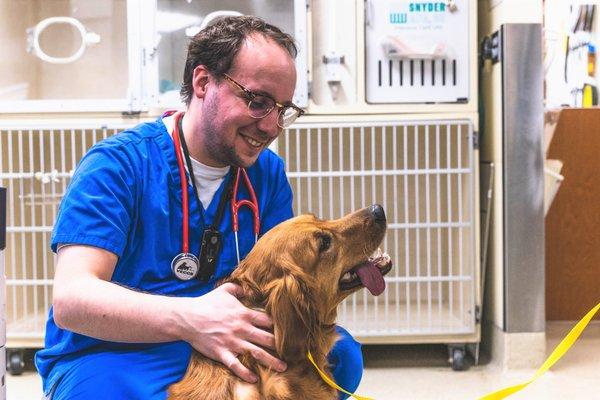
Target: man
(123, 323)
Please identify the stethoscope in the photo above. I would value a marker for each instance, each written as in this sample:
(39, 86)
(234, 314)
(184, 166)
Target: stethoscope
(186, 265)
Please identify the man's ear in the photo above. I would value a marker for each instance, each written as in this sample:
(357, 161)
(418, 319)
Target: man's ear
(291, 304)
(200, 79)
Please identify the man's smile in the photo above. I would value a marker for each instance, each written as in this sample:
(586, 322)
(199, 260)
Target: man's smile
(251, 141)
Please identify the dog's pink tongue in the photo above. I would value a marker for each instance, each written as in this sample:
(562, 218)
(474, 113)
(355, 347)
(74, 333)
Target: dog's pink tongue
(371, 278)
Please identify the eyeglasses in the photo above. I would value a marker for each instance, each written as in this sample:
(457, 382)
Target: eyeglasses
(260, 105)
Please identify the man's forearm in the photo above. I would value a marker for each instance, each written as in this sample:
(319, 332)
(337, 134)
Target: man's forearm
(87, 302)
(107, 311)
(216, 324)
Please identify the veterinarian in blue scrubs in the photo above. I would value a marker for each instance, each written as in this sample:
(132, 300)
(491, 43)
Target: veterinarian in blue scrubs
(123, 325)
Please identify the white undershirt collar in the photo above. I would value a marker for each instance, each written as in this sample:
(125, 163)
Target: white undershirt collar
(208, 179)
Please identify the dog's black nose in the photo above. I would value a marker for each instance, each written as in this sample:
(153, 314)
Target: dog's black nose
(377, 212)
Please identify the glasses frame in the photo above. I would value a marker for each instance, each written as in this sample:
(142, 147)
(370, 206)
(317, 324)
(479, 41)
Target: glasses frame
(250, 95)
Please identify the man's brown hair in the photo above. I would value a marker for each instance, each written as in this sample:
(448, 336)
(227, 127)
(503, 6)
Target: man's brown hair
(217, 45)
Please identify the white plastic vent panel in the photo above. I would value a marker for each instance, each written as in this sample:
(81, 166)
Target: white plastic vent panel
(417, 52)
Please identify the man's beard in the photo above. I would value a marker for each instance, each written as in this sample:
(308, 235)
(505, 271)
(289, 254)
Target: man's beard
(219, 151)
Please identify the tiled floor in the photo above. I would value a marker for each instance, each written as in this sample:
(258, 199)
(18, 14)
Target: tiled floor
(421, 372)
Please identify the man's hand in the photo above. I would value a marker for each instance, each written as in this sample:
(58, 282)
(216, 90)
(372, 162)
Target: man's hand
(220, 327)
(216, 324)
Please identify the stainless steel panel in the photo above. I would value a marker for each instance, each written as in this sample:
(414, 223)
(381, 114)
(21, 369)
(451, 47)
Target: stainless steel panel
(522, 87)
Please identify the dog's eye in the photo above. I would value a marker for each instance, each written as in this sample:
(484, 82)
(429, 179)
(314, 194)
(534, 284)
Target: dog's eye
(324, 243)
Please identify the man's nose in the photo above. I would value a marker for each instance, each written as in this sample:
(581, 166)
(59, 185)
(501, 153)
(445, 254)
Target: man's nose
(268, 124)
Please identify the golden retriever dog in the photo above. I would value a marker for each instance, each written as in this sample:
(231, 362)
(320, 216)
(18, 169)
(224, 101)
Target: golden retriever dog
(298, 272)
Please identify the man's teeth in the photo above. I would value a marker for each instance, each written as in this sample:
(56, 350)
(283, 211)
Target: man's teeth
(253, 142)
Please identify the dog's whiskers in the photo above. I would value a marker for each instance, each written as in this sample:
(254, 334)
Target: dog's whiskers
(365, 252)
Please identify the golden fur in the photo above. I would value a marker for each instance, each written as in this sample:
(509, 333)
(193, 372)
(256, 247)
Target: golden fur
(294, 276)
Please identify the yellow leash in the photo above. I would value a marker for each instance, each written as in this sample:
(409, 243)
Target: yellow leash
(558, 352)
(556, 355)
(331, 383)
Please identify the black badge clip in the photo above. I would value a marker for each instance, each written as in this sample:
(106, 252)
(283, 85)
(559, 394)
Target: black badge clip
(212, 241)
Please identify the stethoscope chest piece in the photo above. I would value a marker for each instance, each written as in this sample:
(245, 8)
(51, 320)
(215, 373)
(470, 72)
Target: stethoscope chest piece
(185, 266)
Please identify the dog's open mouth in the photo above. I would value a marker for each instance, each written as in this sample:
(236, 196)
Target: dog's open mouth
(369, 274)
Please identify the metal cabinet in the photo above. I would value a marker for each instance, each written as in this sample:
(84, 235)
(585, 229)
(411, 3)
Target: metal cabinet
(70, 56)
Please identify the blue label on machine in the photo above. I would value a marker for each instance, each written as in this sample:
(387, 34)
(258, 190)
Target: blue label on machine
(427, 7)
(417, 15)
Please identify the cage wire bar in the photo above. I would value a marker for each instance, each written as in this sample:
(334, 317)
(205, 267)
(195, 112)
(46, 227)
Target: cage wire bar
(423, 174)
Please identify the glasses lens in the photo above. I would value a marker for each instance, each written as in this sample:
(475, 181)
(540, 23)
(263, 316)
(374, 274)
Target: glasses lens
(260, 106)
(287, 116)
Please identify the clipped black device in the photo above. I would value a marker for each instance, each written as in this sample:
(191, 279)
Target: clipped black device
(212, 241)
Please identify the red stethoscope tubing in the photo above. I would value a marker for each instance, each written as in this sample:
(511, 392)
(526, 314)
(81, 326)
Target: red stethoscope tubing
(183, 179)
(235, 204)
(252, 203)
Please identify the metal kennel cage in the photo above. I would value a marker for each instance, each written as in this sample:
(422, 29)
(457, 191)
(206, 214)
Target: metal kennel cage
(36, 164)
(424, 173)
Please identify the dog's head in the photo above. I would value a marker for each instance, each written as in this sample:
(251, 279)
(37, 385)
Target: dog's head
(303, 268)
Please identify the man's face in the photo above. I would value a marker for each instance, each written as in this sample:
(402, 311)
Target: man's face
(230, 135)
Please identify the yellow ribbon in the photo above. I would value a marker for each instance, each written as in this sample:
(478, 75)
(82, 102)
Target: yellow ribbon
(558, 352)
(331, 383)
(556, 355)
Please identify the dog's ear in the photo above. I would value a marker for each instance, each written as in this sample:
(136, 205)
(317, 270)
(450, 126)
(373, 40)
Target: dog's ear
(251, 276)
(253, 296)
(291, 304)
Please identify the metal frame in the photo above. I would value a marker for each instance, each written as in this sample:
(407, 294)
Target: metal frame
(2, 294)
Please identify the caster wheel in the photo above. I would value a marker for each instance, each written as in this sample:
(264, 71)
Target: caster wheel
(458, 359)
(15, 363)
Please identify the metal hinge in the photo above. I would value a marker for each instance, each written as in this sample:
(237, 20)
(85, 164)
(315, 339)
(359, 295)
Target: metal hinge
(131, 113)
(475, 140)
(490, 48)
(477, 314)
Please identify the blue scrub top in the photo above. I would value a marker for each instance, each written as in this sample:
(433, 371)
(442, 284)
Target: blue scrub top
(125, 197)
